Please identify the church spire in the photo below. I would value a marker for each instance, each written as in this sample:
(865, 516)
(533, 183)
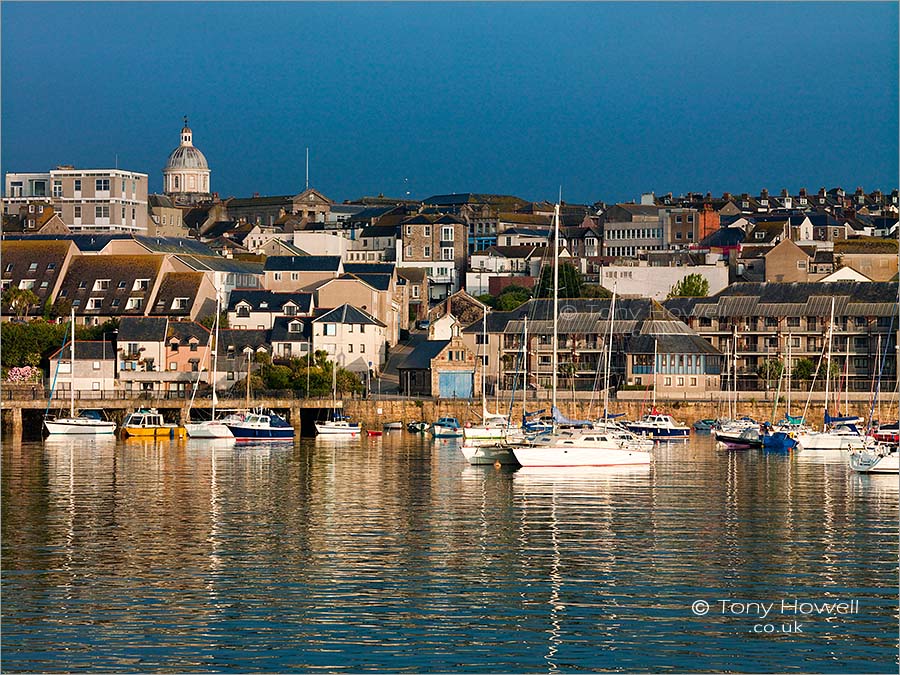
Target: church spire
(186, 135)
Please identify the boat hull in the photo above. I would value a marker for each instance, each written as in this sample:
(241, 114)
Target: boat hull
(155, 432)
(572, 457)
(870, 462)
(328, 430)
(261, 433)
(485, 433)
(826, 441)
(208, 430)
(660, 434)
(77, 427)
(488, 453)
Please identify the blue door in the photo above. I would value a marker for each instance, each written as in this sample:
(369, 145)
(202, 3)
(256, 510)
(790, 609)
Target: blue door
(456, 384)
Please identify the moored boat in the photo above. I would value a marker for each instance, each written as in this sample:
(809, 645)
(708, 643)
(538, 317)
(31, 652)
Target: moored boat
(584, 448)
(659, 427)
(877, 458)
(261, 425)
(446, 427)
(149, 423)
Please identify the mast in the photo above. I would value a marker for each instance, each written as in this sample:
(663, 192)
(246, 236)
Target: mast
(788, 366)
(249, 370)
(612, 318)
(655, 359)
(828, 360)
(72, 370)
(524, 371)
(215, 354)
(555, 343)
(483, 363)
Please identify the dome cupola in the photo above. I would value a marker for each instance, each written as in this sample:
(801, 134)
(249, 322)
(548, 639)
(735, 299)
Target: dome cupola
(186, 174)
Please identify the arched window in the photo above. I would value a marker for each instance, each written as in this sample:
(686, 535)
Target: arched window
(176, 183)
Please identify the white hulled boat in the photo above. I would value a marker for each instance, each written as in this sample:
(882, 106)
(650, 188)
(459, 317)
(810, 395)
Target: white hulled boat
(87, 423)
(213, 428)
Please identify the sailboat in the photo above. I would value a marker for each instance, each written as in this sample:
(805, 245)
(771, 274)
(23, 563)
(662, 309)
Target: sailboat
(840, 436)
(494, 426)
(212, 428)
(655, 424)
(260, 424)
(338, 425)
(85, 424)
(573, 447)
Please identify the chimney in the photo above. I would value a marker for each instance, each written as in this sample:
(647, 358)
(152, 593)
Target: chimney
(821, 192)
(802, 192)
(726, 196)
(784, 192)
(764, 194)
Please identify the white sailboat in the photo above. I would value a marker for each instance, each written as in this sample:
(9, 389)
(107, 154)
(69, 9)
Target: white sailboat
(83, 424)
(573, 447)
(841, 437)
(212, 428)
(494, 426)
(338, 425)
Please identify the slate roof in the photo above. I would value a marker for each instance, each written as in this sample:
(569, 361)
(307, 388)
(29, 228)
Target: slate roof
(121, 271)
(177, 285)
(852, 298)
(240, 339)
(142, 329)
(522, 251)
(86, 350)
(380, 231)
(303, 263)
(274, 301)
(174, 245)
(219, 264)
(724, 237)
(412, 274)
(420, 358)
(160, 201)
(47, 257)
(527, 232)
(380, 282)
(347, 313)
(280, 332)
(369, 268)
(185, 330)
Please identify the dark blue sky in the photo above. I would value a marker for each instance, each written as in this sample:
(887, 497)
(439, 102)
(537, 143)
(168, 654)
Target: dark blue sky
(605, 100)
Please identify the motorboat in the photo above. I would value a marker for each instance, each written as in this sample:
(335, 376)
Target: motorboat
(261, 425)
(659, 427)
(748, 438)
(494, 427)
(446, 427)
(704, 425)
(216, 428)
(887, 433)
(374, 432)
(392, 426)
(417, 427)
(578, 447)
(149, 423)
(488, 452)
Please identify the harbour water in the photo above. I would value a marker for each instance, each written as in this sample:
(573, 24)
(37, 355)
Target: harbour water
(392, 554)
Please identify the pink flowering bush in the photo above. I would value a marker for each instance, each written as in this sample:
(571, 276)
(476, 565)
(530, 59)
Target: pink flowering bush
(23, 374)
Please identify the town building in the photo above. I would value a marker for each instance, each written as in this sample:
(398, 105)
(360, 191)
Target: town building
(86, 200)
(94, 371)
(186, 176)
(354, 339)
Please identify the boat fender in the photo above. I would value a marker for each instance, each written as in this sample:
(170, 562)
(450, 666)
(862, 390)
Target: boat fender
(468, 425)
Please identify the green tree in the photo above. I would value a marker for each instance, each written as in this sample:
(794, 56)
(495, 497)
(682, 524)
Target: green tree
(692, 286)
(770, 370)
(595, 291)
(570, 283)
(803, 370)
(20, 300)
(512, 297)
(487, 299)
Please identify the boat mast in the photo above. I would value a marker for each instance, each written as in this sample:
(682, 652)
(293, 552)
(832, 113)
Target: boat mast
(555, 343)
(612, 318)
(72, 370)
(788, 365)
(734, 374)
(524, 371)
(655, 359)
(215, 354)
(483, 363)
(828, 359)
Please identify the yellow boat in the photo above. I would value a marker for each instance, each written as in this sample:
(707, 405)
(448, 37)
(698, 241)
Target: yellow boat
(150, 424)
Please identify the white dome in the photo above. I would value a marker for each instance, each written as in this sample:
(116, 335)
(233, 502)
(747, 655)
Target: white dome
(186, 157)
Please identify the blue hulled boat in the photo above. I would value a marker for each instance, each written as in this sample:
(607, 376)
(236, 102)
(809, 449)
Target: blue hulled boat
(261, 425)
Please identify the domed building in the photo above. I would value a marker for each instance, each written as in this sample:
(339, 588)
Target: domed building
(186, 176)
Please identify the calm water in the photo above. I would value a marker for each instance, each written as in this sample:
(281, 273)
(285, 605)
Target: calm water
(392, 554)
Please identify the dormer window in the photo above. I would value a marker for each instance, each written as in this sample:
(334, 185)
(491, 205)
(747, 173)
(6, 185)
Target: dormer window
(32, 267)
(101, 285)
(295, 327)
(180, 303)
(194, 344)
(760, 235)
(95, 303)
(243, 311)
(290, 310)
(264, 305)
(141, 285)
(175, 345)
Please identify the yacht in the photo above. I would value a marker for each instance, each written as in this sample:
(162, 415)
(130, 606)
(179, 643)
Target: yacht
(842, 437)
(659, 427)
(216, 428)
(148, 422)
(339, 426)
(578, 447)
(446, 427)
(877, 458)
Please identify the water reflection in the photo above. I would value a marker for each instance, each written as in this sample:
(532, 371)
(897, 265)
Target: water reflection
(392, 553)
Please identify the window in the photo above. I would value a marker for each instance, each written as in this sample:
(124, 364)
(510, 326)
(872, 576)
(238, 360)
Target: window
(294, 327)
(446, 254)
(180, 303)
(101, 212)
(9, 267)
(57, 188)
(134, 303)
(415, 291)
(350, 349)
(141, 285)
(121, 285)
(801, 264)
(195, 365)
(427, 231)
(362, 349)
(277, 276)
(101, 185)
(795, 342)
(95, 303)
(447, 234)
(173, 365)
(175, 345)
(45, 284)
(427, 252)
(96, 365)
(680, 381)
(330, 329)
(362, 328)
(793, 322)
(77, 185)
(230, 375)
(693, 381)
(668, 382)
(349, 327)
(295, 276)
(193, 346)
(115, 302)
(101, 285)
